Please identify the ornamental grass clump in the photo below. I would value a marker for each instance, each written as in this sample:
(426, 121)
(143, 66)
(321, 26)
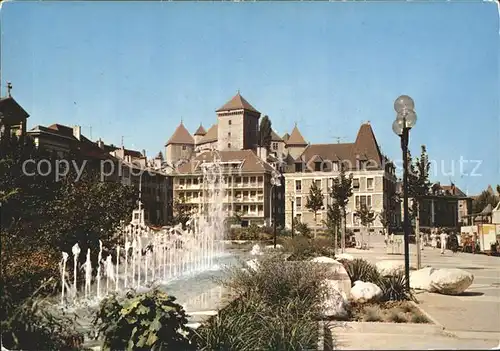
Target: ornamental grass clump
(360, 269)
(278, 308)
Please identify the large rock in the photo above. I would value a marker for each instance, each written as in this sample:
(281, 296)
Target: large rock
(450, 281)
(337, 274)
(365, 291)
(421, 279)
(336, 304)
(390, 267)
(345, 257)
(256, 250)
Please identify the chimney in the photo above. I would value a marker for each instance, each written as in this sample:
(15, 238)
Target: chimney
(100, 144)
(77, 132)
(143, 153)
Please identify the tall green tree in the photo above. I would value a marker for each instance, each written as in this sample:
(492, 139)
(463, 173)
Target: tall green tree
(315, 202)
(265, 130)
(333, 222)
(484, 199)
(341, 192)
(366, 216)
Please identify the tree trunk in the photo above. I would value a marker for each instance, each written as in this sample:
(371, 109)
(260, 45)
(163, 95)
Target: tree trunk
(342, 239)
(315, 224)
(335, 240)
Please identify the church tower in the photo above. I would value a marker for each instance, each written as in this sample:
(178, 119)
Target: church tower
(238, 125)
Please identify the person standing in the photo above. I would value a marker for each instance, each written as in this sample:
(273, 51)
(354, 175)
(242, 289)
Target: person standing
(422, 241)
(386, 239)
(443, 238)
(433, 238)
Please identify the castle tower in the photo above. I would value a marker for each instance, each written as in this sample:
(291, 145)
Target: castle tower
(238, 125)
(180, 146)
(199, 134)
(295, 143)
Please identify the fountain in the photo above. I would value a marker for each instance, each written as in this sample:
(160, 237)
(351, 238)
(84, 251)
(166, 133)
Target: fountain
(160, 257)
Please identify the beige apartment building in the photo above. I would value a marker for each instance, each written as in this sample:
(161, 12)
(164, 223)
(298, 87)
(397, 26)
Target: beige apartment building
(374, 179)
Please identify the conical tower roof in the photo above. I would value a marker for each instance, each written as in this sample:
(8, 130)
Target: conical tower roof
(181, 136)
(238, 102)
(200, 131)
(296, 138)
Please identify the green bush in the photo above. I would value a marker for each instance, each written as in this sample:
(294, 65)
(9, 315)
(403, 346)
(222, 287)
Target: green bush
(360, 269)
(394, 287)
(303, 249)
(149, 321)
(32, 325)
(302, 228)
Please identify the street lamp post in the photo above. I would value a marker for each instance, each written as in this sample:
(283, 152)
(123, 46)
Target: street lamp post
(405, 120)
(344, 224)
(275, 183)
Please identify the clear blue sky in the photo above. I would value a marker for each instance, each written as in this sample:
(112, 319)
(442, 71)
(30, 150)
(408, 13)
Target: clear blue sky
(135, 68)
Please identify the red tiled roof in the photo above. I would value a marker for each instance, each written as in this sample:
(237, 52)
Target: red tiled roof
(238, 102)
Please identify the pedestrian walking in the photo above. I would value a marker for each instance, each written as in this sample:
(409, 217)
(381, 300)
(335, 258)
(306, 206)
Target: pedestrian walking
(443, 238)
(433, 239)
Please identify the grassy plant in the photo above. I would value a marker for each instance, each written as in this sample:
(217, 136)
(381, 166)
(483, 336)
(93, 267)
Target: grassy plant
(396, 316)
(394, 288)
(359, 269)
(419, 318)
(147, 321)
(372, 314)
(303, 249)
(277, 310)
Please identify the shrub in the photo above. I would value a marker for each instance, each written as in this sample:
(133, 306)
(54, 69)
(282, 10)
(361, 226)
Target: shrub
(277, 310)
(303, 249)
(372, 314)
(33, 326)
(360, 269)
(147, 321)
(302, 229)
(396, 316)
(394, 288)
(419, 318)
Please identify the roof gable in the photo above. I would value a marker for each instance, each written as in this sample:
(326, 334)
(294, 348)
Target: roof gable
(11, 110)
(238, 102)
(181, 136)
(275, 137)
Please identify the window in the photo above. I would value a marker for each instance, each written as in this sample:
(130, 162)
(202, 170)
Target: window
(299, 218)
(298, 185)
(335, 166)
(275, 146)
(363, 200)
(298, 167)
(355, 184)
(317, 166)
(184, 147)
(228, 145)
(229, 122)
(298, 203)
(229, 134)
(369, 183)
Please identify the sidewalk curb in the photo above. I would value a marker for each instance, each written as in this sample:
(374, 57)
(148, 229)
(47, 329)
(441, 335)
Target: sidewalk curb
(427, 315)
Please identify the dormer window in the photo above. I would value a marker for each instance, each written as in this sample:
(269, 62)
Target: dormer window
(317, 166)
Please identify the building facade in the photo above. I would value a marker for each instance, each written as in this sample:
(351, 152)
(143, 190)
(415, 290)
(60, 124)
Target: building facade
(373, 178)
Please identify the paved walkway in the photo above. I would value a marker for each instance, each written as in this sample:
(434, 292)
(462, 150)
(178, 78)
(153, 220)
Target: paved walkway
(471, 320)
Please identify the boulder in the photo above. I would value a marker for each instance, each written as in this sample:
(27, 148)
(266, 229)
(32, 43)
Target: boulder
(256, 250)
(450, 281)
(365, 291)
(337, 275)
(421, 279)
(345, 257)
(390, 267)
(336, 303)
